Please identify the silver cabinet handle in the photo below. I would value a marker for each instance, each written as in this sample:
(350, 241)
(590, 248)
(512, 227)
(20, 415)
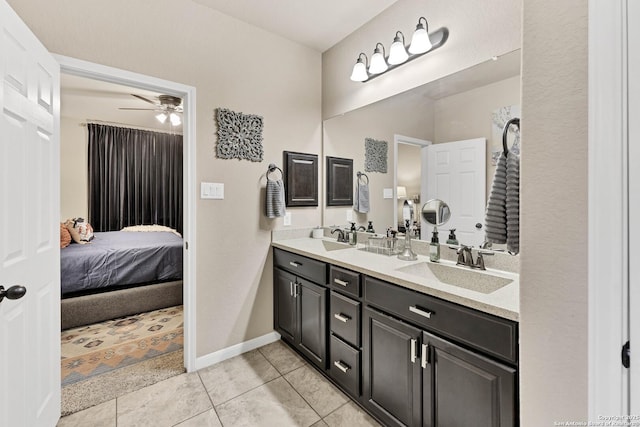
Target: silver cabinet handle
(294, 264)
(295, 289)
(341, 317)
(291, 288)
(413, 350)
(425, 351)
(420, 312)
(338, 364)
(341, 282)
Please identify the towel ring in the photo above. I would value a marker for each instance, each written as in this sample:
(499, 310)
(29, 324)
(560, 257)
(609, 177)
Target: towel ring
(505, 131)
(360, 175)
(272, 167)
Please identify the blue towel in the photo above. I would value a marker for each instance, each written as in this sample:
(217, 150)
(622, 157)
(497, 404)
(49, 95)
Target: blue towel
(362, 198)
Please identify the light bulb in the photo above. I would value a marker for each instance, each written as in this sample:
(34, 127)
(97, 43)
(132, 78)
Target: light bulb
(359, 73)
(420, 42)
(397, 52)
(162, 117)
(175, 119)
(378, 63)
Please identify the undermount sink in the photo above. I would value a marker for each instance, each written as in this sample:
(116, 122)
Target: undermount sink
(482, 282)
(330, 245)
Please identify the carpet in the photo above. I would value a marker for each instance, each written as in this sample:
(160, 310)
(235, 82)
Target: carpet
(97, 349)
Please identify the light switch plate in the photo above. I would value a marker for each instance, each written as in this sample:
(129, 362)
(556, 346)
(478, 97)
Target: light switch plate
(211, 190)
(287, 219)
(387, 193)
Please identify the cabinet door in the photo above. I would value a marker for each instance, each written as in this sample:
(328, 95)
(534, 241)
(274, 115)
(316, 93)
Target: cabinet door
(285, 304)
(312, 321)
(464, 389)
(391, 369)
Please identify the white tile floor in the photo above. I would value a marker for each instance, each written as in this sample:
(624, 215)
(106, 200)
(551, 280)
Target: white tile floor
(270, 386)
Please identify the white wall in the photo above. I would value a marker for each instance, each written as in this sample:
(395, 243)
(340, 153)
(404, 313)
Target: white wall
(478, 30)
(73, 169)
(553, 279)
(232, 65)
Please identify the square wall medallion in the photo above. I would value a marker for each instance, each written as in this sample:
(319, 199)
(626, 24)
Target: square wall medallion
(375, 155)
(239, 135)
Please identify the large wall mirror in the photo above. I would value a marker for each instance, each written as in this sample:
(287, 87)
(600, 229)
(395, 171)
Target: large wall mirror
(467, 105)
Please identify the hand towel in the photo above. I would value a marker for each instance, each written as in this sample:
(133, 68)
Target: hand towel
(275, 205)
(362, 197)
(512, 205)
(496, 214)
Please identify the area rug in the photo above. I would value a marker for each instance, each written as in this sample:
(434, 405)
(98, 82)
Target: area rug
(107, 346)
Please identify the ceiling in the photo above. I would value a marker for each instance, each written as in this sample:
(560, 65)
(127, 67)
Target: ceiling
(318, 24)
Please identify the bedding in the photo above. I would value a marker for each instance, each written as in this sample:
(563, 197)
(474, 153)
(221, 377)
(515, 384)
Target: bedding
(118, 259)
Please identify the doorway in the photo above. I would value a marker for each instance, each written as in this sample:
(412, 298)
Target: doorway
(141, 82)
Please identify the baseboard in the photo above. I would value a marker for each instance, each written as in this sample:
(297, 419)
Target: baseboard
(235, 350)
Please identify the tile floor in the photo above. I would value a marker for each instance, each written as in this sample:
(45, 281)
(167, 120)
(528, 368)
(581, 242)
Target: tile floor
(270, 386)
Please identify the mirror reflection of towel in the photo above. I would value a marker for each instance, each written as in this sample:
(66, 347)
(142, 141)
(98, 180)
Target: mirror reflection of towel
(362, 198)
(275, 205)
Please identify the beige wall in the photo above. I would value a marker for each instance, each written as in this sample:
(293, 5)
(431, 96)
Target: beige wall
(73, 169)
(553, 279)
(478, 30)
(232, 65)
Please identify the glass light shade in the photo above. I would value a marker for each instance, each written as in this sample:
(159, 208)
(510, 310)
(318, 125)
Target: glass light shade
(378, 63)
(162, 117)
(175, 119)
(359, 73)
(397, 53)
(420, 42)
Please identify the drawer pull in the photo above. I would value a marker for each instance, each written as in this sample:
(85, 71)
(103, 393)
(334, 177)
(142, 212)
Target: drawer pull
(425, 354)
(414, 344)
(420, 312)
(294, 264)
(341, 282)
(344, 368)
(341, 317)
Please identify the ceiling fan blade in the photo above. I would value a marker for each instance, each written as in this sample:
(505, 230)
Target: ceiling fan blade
(138, 109)
(143, 98)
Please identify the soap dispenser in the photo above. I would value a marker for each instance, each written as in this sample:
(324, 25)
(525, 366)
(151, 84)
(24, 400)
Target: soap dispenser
(434, 246)
(353, 234)
(370, 227)
(452, 240)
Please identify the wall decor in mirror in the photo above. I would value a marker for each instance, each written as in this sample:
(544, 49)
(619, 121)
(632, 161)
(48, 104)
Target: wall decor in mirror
(301, 179)
(339, 181)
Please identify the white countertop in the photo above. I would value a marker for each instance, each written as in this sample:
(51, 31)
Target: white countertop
(502, 302)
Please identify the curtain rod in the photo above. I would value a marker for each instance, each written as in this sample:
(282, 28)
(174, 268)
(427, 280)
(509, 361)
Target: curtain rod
(102, 122)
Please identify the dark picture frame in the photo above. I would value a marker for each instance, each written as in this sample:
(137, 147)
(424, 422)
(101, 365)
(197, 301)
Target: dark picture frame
(301, 179)
(339, 181)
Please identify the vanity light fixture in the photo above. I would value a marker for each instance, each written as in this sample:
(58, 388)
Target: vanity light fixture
(421, 43)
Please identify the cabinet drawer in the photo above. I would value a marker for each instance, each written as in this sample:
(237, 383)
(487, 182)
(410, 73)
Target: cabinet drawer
(345, 318)
(344, 365)
(489, 334)
(344, 280)
(310, 269)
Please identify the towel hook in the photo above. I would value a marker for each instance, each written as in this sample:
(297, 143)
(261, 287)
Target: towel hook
(360, 175)
(505, 131)
(272, 167)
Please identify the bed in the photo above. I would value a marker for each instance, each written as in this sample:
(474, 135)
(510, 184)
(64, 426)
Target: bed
(120, 273)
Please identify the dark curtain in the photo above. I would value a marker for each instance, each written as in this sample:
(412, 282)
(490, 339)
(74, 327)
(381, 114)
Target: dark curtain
(135, 178)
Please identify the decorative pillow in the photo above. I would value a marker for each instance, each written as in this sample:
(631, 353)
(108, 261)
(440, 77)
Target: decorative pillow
(65, 236)
(80, 230)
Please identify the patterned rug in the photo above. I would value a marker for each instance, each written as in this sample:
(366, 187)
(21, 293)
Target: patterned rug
(96, 349)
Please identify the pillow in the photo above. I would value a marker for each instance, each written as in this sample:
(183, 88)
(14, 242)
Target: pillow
(80, 230)
(65, 237)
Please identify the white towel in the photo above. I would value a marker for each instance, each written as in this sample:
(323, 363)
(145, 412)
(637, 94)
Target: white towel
(496, 214)
(512, 205)
(275, 205)
(362, 198)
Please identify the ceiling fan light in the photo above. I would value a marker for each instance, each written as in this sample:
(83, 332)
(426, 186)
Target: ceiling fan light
(175, 119)
(162, 117)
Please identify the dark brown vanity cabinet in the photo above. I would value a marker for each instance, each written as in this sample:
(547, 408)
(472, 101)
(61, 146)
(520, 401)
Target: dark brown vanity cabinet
(300, 305)
(413, 377)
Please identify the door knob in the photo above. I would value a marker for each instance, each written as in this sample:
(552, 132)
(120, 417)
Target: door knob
(478, 226)
(14, 292)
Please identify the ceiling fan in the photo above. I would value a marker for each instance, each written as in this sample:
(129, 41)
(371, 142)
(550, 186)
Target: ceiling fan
(167, 106)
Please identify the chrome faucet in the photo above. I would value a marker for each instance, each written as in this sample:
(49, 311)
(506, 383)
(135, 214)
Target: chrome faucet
(465, 256)
(341, 236)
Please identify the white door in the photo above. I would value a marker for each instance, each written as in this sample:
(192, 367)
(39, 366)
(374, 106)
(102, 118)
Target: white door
(29, 227)
(456, 174)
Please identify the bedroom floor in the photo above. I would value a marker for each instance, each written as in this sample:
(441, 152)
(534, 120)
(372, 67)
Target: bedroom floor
(269, 386)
